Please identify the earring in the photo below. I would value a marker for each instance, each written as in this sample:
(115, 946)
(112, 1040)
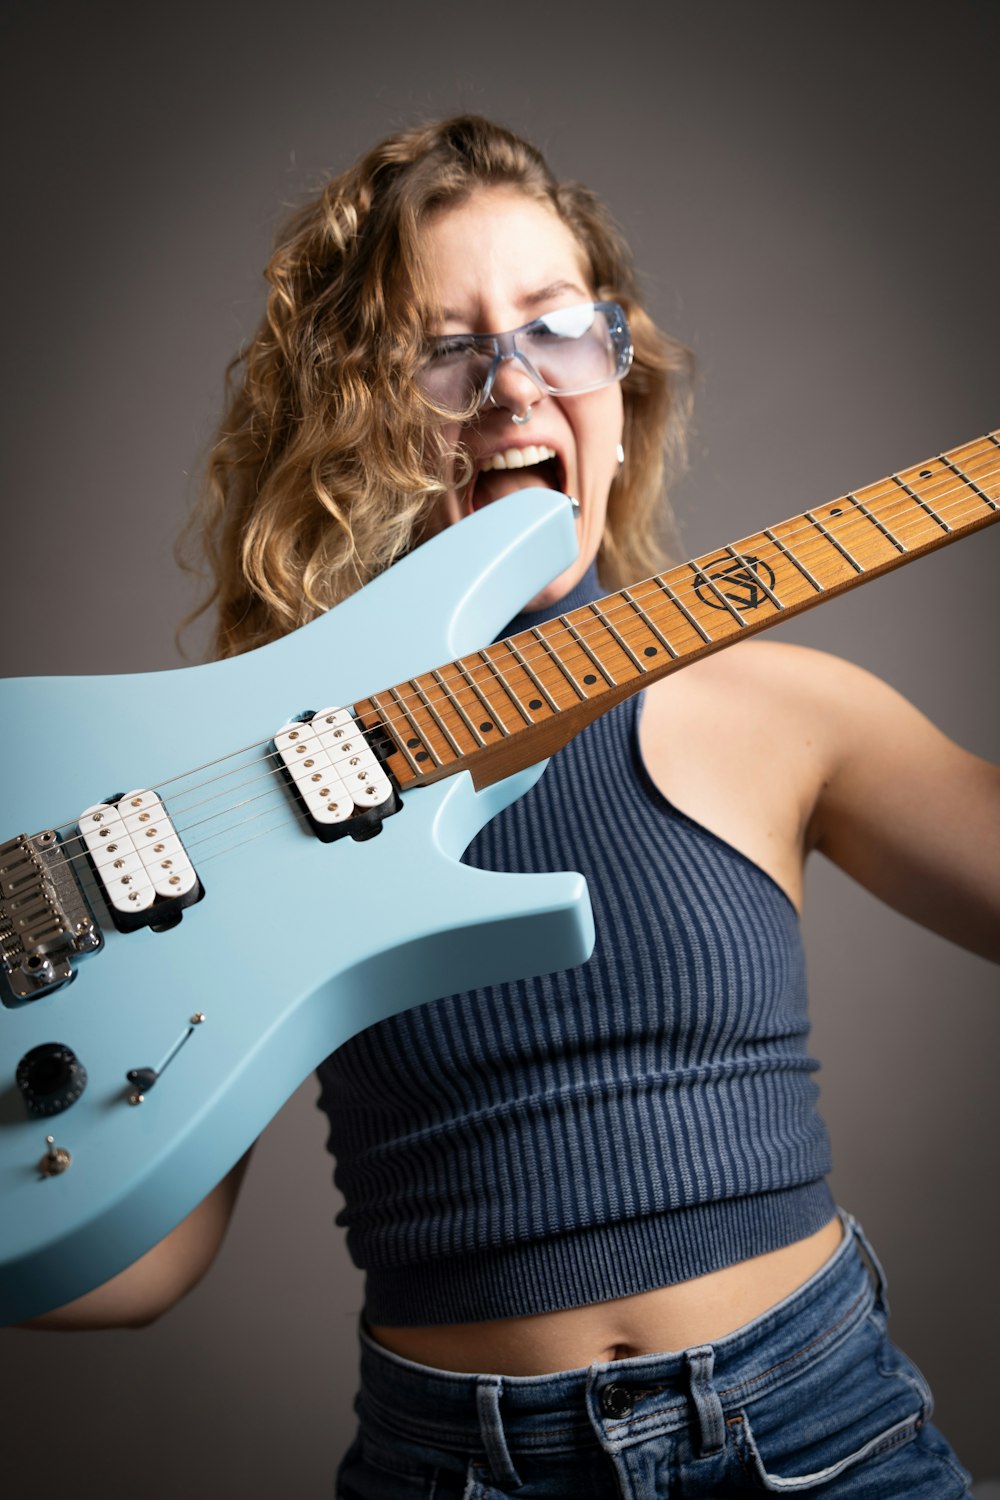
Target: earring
(620, 454)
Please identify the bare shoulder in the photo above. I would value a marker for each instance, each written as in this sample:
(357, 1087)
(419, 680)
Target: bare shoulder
(850, 719)
(793, 677)
(785, 665)
(780, 677)
(838, 761)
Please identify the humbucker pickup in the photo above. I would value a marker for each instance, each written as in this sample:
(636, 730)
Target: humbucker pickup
(141, 865)
(336, 772)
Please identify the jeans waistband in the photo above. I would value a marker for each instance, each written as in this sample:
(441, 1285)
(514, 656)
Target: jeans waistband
(503, 1414)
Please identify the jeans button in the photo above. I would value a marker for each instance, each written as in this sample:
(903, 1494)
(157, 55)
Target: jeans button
(616, 1401)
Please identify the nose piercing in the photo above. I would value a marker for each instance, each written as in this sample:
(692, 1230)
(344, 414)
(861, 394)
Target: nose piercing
(519, 421)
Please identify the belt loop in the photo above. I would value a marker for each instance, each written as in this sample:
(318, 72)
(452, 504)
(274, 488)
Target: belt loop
(881, 1280)
(711, 1422)
(488, 1390)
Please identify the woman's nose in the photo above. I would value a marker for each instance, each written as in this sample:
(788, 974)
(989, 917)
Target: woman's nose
(513, 386)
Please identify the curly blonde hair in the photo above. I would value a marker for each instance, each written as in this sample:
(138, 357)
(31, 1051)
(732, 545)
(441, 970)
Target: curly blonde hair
(329, 459)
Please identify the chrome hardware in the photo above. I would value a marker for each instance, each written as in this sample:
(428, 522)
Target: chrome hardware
(45, 919)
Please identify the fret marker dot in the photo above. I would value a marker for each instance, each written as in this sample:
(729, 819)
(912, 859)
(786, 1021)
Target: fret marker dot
(590, 679)
(535, 703)
(925, 473)
(412, 744)
(420, 755)
(650, 651)
(486, 726)
(836, 512)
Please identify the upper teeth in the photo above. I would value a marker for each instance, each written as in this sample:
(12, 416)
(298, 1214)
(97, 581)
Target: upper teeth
(518, 458)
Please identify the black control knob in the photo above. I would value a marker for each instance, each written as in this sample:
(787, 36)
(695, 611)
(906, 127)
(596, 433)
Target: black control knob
(51, 1078)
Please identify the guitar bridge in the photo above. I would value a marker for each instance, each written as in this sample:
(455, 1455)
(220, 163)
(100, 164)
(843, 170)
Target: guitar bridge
(45, 919)
(337, 773)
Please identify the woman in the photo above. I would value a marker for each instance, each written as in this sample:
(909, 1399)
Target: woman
(602, 1258)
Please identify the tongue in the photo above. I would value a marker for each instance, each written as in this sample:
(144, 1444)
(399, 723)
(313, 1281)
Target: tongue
(493, 484)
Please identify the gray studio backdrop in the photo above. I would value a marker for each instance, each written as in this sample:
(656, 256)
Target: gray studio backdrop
(810, 190)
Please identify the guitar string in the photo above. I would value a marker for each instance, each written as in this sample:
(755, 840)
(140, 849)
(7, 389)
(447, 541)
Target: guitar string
(284, 808)
(543, 657)
(902, 501)
(181, 811)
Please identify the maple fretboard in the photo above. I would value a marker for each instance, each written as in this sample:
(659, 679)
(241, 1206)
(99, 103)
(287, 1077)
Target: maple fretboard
(503, 708)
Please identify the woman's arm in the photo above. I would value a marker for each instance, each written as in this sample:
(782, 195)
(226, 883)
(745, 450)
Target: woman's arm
(905, 811)
(147, 1289)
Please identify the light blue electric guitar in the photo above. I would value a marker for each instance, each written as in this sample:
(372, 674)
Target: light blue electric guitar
(211, 878)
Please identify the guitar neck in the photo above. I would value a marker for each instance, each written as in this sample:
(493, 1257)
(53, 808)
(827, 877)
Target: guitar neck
(499, 710)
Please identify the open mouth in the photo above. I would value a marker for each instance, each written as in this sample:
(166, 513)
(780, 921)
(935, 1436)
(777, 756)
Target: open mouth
(514, 469)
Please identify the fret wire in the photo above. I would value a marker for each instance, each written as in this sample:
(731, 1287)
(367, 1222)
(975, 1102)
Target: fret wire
(754, 577)
(455, 700)
(834, 542)
(423, 738)
(681, 606)
(972, 485)
(792, 559)
(601, 618)
(651, 626)
(879, 525)
(511, 694)
(782, 547)
(553, 653)
(706, 577)
(439, 721)
(387, 714)
(387, 719)
(487, 705)
(924, 504)
(565, 620)
(540, 685)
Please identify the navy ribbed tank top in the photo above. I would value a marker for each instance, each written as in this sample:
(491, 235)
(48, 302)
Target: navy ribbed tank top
(638, 1120)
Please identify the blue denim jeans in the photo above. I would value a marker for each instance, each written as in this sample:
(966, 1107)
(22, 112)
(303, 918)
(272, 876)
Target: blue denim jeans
(809, 1398)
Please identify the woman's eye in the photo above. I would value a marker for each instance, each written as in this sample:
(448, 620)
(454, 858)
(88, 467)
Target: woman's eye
(452, 351)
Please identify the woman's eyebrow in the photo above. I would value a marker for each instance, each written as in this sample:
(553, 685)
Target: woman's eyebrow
(553, 289)
(529, 300)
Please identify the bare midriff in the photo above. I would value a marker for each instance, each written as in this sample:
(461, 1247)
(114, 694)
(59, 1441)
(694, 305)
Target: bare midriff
(669, 1319)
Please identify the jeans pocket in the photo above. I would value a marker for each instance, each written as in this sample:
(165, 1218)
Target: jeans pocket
(789, 1484)
(862, 1403)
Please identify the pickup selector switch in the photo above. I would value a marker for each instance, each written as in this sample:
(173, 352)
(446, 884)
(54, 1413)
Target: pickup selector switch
(51, 1078)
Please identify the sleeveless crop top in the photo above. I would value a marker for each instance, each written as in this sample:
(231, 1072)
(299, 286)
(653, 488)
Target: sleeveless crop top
(644, 1118)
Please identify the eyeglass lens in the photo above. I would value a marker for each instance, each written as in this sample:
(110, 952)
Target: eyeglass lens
(569, 350)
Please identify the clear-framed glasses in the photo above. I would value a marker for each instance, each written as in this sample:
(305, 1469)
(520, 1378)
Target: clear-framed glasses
(566, 352)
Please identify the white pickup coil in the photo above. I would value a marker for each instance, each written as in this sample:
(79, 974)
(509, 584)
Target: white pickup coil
(332, 765)
(136, 851)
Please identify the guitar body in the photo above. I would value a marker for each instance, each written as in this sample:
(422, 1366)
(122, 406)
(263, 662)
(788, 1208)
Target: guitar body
(296, 944)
